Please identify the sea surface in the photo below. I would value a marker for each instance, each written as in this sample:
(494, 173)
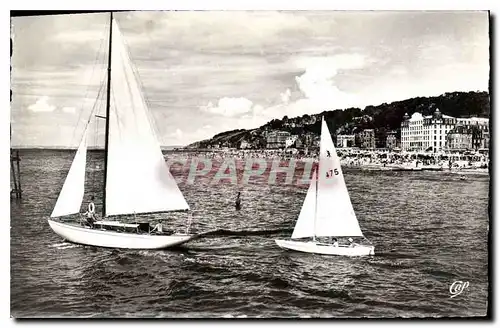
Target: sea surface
(430, 229)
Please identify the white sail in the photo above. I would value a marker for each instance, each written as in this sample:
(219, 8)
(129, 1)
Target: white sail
(335, 215)
(305, 223)
(138, 179)
(71, 196)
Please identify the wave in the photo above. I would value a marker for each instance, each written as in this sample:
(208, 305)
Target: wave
(242, 233)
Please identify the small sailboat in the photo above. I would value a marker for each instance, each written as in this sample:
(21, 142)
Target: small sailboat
(327, 210)
(137, 179)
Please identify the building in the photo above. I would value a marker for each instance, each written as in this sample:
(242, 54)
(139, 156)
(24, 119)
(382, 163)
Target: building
(299, 143)
(467, 137)
(429, 133)
(366, 139)
(426, 132)
(346, 140)
(308, 139)
(245, 144)
(485, 144)
(480, 122)
(460, 138)
(391, 141)
(290, 141)
(481, 133)
(276, 139)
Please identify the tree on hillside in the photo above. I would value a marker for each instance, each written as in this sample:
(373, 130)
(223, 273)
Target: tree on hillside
(385, 117)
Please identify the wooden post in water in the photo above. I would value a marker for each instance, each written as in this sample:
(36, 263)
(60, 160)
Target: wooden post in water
(16, 173)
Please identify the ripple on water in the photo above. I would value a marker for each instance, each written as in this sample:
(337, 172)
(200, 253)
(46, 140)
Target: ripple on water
(429, 230)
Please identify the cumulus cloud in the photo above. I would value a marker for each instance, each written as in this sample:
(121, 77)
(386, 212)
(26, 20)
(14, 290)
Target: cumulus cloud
(42, 105)
(229, 107)
(317, 86)
(285, 96)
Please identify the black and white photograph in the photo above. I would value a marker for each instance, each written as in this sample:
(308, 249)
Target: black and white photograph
(245, 164)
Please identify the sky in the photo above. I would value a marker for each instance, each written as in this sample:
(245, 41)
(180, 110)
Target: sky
(207, 72)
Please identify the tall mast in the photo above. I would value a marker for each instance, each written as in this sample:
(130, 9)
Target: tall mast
(316, 201)
(108, 97)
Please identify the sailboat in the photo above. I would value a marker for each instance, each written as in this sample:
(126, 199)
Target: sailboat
(137, 179)
(327, 210)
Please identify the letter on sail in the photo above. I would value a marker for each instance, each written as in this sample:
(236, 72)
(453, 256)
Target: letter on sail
(71, 196)
(138, 179)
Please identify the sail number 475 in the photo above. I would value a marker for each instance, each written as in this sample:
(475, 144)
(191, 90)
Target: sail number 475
(330, 173)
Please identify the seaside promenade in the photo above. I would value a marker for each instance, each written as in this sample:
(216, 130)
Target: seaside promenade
(465, 162)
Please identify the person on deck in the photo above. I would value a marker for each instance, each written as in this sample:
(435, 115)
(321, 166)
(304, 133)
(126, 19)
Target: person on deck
(91, 212)
(335, 242)
(158, 227)
(351, 243)
(238, 202)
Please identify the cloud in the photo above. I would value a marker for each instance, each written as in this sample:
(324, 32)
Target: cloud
(285, 96)
(69, 110)
(229, 107)
(316, 87)
(42, 105)
(278, 63)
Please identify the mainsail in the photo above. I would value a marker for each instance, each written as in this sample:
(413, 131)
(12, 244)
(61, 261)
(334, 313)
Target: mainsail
(71, 195)
(327, 211)
(138, 179)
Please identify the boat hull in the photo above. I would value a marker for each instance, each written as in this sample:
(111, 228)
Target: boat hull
(112, 239)
(318, 248)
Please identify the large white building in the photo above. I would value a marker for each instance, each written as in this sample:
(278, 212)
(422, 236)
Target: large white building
(420, 132)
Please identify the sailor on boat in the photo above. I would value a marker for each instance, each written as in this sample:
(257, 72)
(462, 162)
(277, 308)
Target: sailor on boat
(158, 227)
(91, 212)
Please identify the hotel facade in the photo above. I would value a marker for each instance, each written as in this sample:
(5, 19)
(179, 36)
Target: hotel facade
(429, 133)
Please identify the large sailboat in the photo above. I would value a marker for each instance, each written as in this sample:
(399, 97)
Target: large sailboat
(327, 211)
(137, 179)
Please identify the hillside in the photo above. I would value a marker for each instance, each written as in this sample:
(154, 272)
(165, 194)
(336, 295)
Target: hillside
(383, 118)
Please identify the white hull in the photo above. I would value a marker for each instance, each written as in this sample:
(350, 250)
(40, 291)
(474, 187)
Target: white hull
(107, 238)
(318, 248)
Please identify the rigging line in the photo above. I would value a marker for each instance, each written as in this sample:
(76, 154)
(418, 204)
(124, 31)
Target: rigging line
(87, 90)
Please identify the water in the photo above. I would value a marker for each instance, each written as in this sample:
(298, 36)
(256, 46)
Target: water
(429, 229)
